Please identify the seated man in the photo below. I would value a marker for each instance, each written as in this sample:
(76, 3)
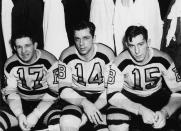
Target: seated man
(140, 85)
(31, 87)
(87, 97)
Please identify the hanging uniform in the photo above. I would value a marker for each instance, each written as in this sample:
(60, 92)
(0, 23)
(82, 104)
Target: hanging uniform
(7, 6)
(102, 15)
(3, 57)
(55, 35)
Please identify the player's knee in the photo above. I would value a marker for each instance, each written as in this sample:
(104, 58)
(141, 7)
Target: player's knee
(117, 116)
(52, 118)
(118, 121)
(70, 121)
(7, 120)
(115, 119)
(121, 127)
(101, 127)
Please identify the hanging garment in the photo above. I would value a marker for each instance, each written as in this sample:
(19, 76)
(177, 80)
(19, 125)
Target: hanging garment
(7, 6)
(27, 15)
(102, 15)
(55, 35)
(175, 12)
(75, 11)
(2, 57)
(141, 12)
(164, 6)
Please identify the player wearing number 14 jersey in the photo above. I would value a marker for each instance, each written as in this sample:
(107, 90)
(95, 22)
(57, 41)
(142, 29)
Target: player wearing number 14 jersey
(31, 86)
(142, 82)
(87, 61)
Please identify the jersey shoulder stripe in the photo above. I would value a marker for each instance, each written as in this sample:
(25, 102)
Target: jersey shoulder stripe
(67, 52)
(70, 58)
(158, 53)
(160, 60)
(8, 64)
(102, 56)
(12, 65)
(125, 63)
(16, 63)
(44, 62)
(123, 60)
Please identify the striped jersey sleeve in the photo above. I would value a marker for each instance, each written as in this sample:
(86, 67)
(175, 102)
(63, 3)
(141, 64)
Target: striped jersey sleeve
(115, 81)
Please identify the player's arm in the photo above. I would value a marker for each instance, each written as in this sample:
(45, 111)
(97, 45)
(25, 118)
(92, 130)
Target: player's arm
(43, 106)
(173, 104)
(48, 99)
(11, 95)
(70, 95)
(51, 95)
(66, 91)
(167, 110)
(171, 75)
(101, 101)
(173, 81)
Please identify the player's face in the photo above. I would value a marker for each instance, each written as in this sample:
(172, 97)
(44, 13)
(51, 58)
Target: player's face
(84, 42)
(138, 48)
(26, 49)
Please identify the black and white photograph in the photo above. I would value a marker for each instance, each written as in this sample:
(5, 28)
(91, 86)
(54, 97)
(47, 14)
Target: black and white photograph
(90, 65)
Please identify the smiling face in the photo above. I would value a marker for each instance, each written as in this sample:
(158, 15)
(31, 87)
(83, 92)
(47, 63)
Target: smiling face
(84, 42)
(138, 48)
(26, 49)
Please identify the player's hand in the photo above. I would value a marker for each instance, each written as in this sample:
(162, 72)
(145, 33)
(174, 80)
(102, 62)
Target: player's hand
(84, 120)
(160, 119)
(148, 115)
(92, 112)
(32, 119)
(23, 122)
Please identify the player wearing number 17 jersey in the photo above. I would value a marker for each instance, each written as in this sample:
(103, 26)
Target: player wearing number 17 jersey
(141, 82)
(31, 86)
(87, 61)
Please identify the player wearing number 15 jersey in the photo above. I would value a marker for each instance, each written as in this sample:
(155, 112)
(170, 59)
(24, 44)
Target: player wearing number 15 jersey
(141, 82)
(31, 86)
(87, 61)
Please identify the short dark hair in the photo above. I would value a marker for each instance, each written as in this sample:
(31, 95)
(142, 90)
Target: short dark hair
(20, 35)
(133, 31)
(83, 25)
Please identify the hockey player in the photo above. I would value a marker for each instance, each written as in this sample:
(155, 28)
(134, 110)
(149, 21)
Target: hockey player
(140, 85)
(87, 97)
(31, 86)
